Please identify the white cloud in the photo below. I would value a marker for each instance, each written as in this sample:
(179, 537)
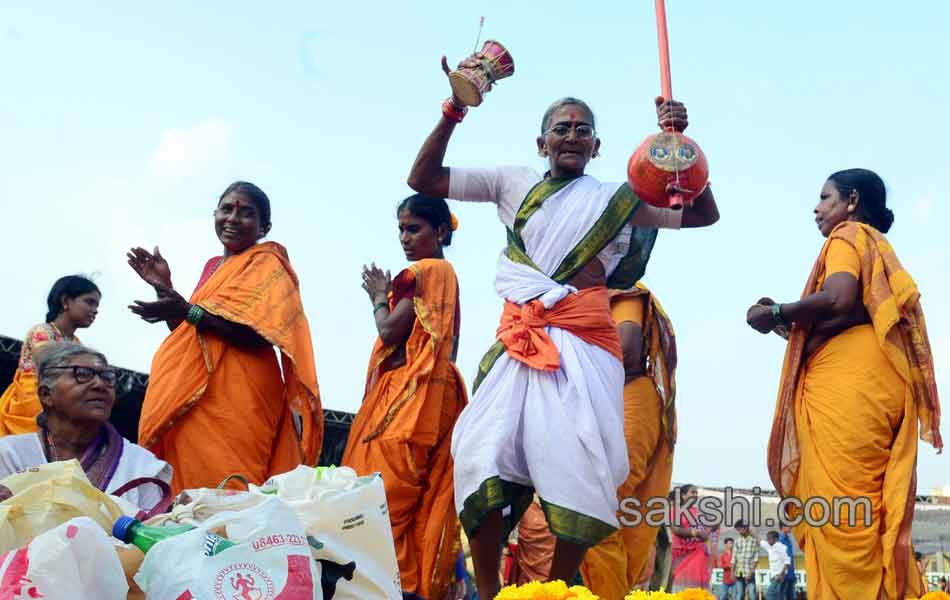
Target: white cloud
(183, 152)
(141, 200)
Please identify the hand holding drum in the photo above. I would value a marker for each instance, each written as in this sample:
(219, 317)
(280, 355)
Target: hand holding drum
(475, 75)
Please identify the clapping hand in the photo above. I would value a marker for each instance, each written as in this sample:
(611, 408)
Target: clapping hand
(377, 283)
(151, 267)
(170, 306)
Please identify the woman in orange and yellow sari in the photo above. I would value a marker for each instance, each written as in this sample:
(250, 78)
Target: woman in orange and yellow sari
(625, 559)
(72, 304)
(414, 394)
(218, 403)
(857, 387)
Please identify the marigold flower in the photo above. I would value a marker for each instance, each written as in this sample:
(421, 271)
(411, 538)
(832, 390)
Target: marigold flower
(552, 590)
(690, 594)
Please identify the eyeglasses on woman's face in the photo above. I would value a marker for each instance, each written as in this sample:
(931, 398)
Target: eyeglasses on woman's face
(561, 130)
(86, 374)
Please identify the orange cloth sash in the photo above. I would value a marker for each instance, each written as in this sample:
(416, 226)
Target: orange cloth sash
(585, 314)
(404, 431)
(257, 288)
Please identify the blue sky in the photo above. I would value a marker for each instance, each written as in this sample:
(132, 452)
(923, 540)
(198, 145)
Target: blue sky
(120, 125)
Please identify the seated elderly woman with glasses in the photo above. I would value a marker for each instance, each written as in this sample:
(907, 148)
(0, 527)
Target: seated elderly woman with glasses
(76, 388)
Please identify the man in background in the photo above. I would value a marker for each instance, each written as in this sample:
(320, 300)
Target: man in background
(788, 588)
(744, 556)
(728, 579)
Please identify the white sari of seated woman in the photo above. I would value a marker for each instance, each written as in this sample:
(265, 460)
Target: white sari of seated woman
(76, 387)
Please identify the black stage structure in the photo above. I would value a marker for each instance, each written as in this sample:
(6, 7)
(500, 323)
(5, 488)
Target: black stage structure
(130, 391)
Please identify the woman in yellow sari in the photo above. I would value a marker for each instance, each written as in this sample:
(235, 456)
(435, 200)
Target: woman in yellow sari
(218, 403)
(72, 304)
(857, 387)
(414, 394)
(621, 561)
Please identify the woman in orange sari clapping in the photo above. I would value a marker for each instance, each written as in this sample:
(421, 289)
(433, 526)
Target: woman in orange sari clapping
(414, 394)
(218, 403)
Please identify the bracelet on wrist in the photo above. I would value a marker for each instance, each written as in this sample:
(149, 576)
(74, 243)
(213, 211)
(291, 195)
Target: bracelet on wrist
(379, 305)
(452, 111)
(777, 316)
(194, 315)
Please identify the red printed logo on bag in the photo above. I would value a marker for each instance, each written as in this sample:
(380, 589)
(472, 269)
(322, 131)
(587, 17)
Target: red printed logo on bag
(243, 581)
(15, 585)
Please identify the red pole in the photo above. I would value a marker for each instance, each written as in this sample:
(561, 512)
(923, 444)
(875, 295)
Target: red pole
(676, 197)
(664, 42)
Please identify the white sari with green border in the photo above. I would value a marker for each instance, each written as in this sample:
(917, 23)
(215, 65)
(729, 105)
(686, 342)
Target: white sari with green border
(559, 433)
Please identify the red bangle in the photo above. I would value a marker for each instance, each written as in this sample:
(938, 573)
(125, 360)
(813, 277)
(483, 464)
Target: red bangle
(452, 111)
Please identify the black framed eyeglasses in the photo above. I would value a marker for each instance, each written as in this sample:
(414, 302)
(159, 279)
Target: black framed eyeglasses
(85, 374)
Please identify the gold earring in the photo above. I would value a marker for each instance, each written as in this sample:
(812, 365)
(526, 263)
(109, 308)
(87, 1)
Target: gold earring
(851, 208)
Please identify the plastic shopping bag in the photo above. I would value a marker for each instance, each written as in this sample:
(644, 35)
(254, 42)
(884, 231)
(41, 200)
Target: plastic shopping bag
(47, 496)
(347, 519)
(271, 560)
(196, 506)
(8, 536)
(75, 561)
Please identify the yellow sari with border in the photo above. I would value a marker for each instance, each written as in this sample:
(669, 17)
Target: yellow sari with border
(846, 425)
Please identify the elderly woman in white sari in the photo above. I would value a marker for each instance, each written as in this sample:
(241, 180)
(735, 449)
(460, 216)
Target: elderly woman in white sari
(547, 411)
(76, 387)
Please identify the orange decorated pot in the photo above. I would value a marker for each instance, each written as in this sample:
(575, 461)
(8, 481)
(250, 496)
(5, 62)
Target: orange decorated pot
(668, 170)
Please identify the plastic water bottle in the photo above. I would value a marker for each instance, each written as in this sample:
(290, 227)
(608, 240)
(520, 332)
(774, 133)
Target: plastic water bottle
(144, 537)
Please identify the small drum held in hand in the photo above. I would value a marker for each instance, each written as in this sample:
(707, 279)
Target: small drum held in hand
(469, 85)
